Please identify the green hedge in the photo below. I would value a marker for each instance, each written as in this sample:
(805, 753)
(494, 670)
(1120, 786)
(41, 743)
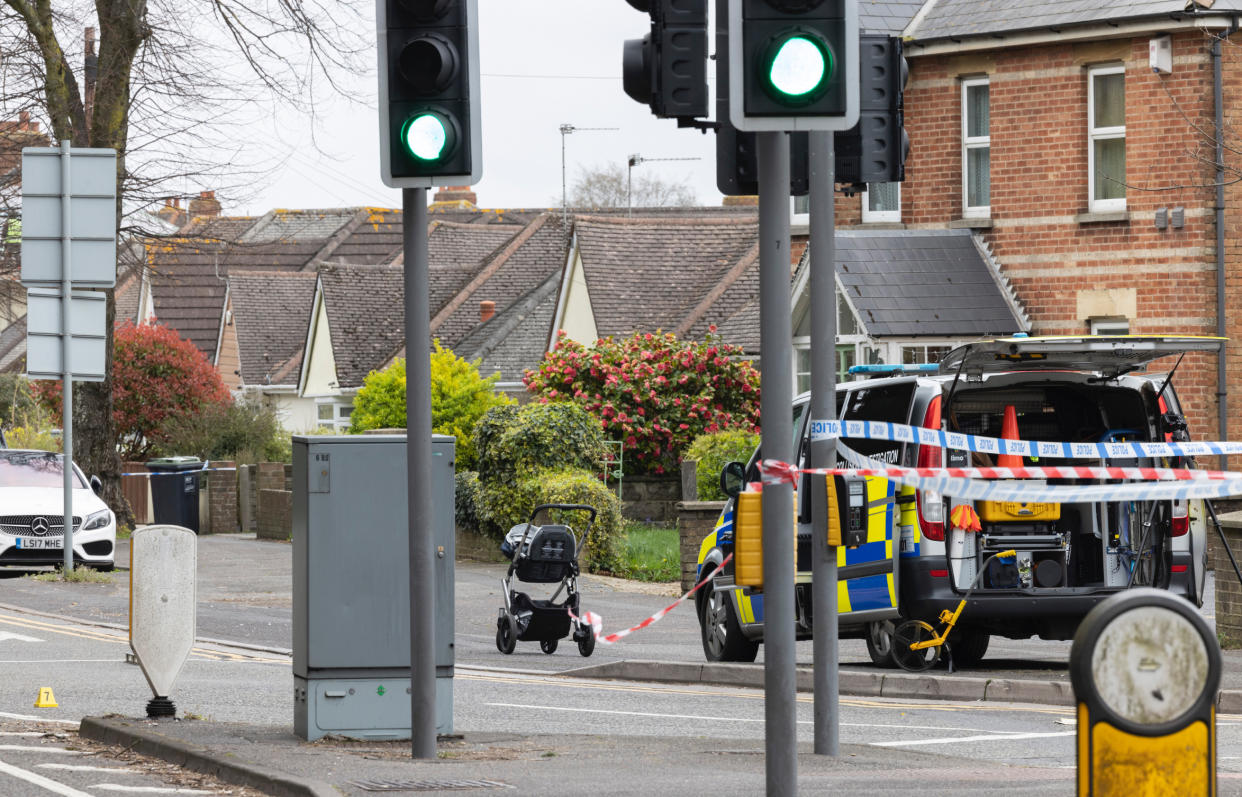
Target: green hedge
(504, 505)
(712, 452)
(513, 441)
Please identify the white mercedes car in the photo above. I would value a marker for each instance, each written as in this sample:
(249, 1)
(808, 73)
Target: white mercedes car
(32, 506)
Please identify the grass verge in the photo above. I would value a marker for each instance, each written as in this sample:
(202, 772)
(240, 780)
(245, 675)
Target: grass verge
(650, 553)
(80, 575)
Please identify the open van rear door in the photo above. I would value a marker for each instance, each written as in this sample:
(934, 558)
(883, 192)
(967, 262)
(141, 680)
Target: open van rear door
(1108, 355)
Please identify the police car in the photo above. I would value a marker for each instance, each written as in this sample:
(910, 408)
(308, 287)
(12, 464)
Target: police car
(916, 561)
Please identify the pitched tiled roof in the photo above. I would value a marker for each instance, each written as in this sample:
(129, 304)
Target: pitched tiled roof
(128, 296)
(188, 287)
(645, 274)
(284, 226)
(374, 238)
(521, 264)
(218, 229)
(366, 317)
(515, 339)
(886, 16)
(13, 347)
(456, 253)
(271, 311)
(922, 283)
(956, 18)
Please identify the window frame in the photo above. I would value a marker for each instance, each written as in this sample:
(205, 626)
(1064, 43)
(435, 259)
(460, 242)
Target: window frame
(1111, 325)
(975, 142)
(869, 216)
(1095, 134)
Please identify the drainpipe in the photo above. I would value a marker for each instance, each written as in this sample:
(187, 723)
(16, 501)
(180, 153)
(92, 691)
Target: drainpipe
(1222, 387)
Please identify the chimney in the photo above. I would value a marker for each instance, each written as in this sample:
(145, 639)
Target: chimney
(205, 204)
(487, 309)
(172, 212)
(456, 194)
(91, 72)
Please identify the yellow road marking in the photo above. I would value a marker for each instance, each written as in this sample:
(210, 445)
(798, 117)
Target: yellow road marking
(119, 637)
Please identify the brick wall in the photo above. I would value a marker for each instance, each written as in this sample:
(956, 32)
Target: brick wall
(1065, 265)
(222, 498)
(695, 520)
(275, 515)
(1228, 591)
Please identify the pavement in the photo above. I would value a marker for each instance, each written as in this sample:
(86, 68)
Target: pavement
(272, 759)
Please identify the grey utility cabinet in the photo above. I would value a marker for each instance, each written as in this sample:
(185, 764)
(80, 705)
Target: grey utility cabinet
(351, 596)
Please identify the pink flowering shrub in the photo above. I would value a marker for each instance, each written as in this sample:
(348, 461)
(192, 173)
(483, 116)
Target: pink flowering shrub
(652, 391)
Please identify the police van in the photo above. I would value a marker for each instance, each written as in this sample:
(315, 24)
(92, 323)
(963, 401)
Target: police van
(915, 562)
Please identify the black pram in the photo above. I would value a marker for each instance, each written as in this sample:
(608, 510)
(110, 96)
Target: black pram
(544, 555)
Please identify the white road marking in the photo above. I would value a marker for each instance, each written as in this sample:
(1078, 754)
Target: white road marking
(61, 661)
(744, 719)
(992, 737)
(21, 733)
(146, 789)
(37, 749)
(17, 637)
(84, 768)
(38, 780)
(7, 715)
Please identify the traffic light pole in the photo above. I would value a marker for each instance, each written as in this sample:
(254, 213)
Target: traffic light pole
(418, 475)
(776, 398)
(824, 452)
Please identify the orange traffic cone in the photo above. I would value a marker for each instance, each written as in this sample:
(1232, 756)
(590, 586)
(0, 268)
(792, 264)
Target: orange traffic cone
(1009, 431)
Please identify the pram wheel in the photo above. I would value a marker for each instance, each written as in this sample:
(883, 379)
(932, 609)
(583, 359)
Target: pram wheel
(506, 633)
(549, 645)
(586, 642)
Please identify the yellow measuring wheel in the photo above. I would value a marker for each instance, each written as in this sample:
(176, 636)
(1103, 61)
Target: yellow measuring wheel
(917, 646)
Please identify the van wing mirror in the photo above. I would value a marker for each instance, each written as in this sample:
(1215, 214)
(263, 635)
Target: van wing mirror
(732, 479)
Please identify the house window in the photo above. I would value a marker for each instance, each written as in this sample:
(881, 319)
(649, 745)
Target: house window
(802, 374)
(1106, 132)
(325, 413)
(800, 209)
(334, 416)
(1110, 326)
(976, 149)
(921, 353)
(882, 202)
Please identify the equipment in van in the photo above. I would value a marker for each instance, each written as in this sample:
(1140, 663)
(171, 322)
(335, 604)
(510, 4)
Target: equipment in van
(917, 646)
(545, 554)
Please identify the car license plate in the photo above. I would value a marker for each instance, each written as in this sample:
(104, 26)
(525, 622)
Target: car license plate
(30, 543)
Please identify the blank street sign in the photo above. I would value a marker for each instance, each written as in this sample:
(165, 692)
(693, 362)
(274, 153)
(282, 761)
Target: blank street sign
(92, 226)
(163, 602)
(88, 342)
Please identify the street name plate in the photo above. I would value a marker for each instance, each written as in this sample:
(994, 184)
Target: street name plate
(87, 342)
(163, 599)
(92, 226)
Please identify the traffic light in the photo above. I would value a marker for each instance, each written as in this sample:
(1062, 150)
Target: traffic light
(429, 92)
(667, 68)
(737, 165)
(793, 64)
(874, 151)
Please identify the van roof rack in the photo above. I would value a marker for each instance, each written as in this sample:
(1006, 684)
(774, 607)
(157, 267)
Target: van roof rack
(896, 369)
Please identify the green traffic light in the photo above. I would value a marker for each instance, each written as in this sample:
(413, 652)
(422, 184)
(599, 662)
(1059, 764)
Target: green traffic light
(426, 136)
(799, 65)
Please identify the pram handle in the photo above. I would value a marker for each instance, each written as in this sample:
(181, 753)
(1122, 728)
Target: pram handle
(582, 507)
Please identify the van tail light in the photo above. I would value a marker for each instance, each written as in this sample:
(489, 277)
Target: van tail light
(931, 504)
(1181, 517)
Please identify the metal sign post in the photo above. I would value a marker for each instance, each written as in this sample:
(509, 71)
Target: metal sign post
(824, 452)
(775, 401)
(68, 241)
(418, 474)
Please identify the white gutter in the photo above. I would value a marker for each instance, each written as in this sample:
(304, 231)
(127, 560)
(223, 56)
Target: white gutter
(994, 41)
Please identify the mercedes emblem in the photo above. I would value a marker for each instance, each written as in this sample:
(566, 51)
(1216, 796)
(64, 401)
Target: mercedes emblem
(40, 526)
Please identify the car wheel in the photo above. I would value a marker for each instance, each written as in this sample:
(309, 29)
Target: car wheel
(722, 634)
(880, 644)
(549, 645)
(969, 646)
(506, 633)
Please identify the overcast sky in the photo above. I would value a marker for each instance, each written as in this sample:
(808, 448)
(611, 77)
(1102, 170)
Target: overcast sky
(544, 63)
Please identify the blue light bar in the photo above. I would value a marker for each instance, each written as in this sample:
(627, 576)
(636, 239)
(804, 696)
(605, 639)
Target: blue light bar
(894, 369)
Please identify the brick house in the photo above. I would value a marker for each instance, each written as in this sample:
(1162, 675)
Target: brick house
(1086, 173)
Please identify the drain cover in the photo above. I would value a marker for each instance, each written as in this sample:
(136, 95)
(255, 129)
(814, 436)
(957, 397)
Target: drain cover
(427, 785)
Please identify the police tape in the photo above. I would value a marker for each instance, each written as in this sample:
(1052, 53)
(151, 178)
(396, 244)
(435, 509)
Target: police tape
(1005, 484)
(902, 433)
(597, 622)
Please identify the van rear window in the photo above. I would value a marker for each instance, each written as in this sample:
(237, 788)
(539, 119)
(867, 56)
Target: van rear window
(884, 403)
